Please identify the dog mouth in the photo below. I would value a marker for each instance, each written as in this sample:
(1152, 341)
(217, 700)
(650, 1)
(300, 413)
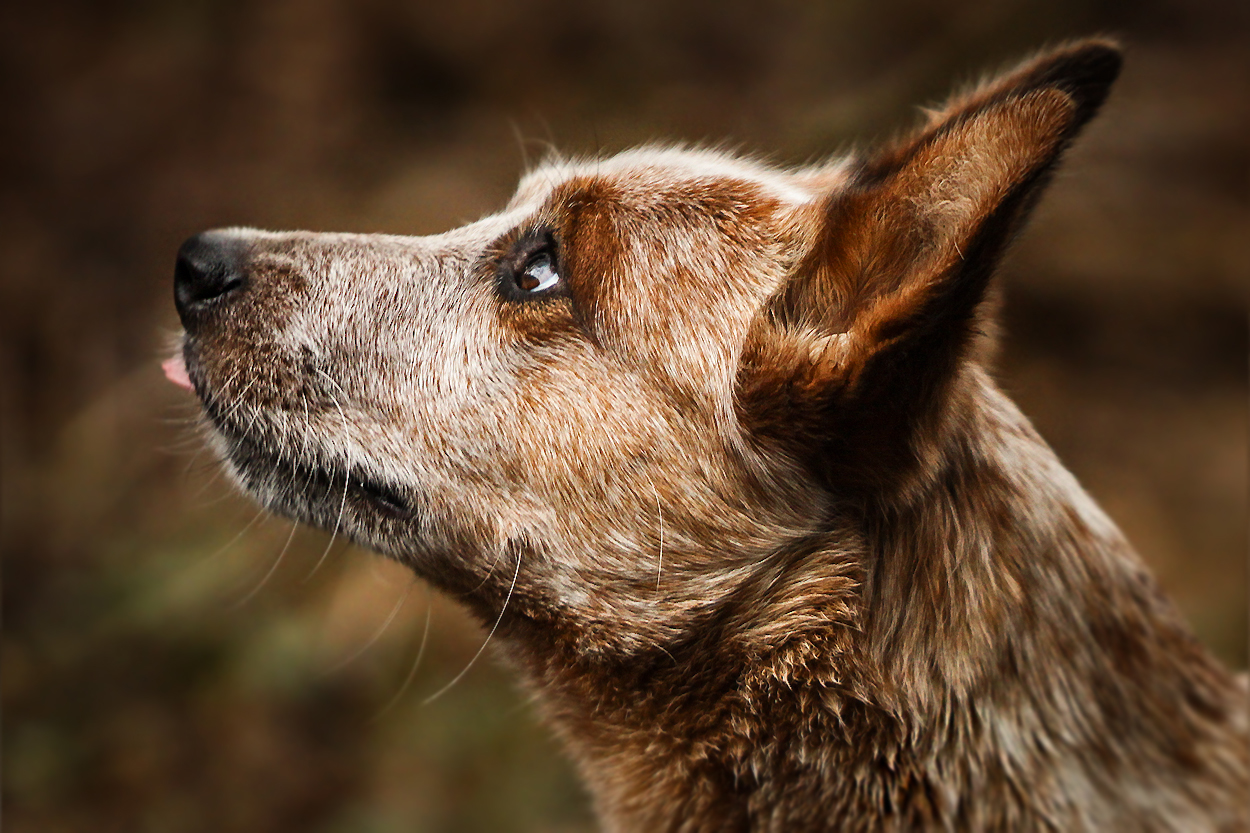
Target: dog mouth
(304, 486)
(325, 494)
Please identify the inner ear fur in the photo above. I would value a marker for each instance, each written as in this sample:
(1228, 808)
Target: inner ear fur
(852, 362)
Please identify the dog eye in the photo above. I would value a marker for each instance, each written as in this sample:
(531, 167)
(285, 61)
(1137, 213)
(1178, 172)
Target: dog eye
(539, 274)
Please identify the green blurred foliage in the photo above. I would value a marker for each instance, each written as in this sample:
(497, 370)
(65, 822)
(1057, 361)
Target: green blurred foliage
(155, 679)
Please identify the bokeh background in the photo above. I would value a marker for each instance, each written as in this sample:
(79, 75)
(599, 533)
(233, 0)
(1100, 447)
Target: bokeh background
(164, 669)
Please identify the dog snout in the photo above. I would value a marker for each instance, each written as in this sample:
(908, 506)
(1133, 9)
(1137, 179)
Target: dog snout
(208, 273)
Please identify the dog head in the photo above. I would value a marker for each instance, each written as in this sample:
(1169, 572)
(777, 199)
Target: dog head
(623, 395)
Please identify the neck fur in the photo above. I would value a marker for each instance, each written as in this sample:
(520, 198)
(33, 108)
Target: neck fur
(984, 652)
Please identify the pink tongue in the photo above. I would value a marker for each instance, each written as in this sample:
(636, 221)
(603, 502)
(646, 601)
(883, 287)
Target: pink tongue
(176, 371)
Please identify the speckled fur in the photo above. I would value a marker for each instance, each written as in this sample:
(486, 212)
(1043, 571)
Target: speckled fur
(776, 552)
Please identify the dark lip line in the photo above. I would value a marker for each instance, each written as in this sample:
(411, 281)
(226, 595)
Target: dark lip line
(245, 447)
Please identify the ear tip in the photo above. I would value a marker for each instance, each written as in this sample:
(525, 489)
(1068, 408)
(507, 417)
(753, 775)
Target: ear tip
(1093, 63)
(1084, 69)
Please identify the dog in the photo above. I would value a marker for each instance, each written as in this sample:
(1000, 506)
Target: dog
(712, 449)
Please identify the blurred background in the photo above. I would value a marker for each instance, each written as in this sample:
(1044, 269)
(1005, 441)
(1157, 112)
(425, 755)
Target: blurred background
(166, 669)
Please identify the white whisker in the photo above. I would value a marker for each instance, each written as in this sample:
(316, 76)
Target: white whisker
(494, 628)
(186, 470)
(416, 663)
(307, 432)
(259, 514)
(232, 411)
(377, 635)
(490, 571)
(338, 521)
(273, 569)
(659, 561)
(334, 534)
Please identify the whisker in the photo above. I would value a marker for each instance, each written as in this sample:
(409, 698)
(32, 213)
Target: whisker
(334, 534)
(416, 663)
(427, 701)
(216, 472)
(225, 387)
(182, 447)
(346, 478)
(273, 569)
(226, 494)
(215, 553)
(194, 457)
(520, 141)
(238, 403)
(376, 636)
(307, 432)
(490, 571)
(659, 561)
(188, 421)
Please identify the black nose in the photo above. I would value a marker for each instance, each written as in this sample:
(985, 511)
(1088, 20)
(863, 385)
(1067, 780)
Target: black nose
(209, 271)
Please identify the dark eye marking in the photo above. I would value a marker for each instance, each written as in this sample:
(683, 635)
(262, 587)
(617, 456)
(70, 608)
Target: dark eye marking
(531, 267)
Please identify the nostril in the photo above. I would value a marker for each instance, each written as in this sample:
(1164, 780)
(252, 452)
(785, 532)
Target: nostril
(198, 281)
(209, 267)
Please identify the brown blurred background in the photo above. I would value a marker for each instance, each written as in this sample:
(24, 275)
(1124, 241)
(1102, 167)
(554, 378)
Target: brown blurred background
(153, 680)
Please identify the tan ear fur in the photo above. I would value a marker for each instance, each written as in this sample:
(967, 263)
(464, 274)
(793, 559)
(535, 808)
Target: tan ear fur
(855, 356)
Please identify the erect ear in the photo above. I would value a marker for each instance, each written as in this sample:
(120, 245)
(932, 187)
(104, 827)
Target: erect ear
(851, 363)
